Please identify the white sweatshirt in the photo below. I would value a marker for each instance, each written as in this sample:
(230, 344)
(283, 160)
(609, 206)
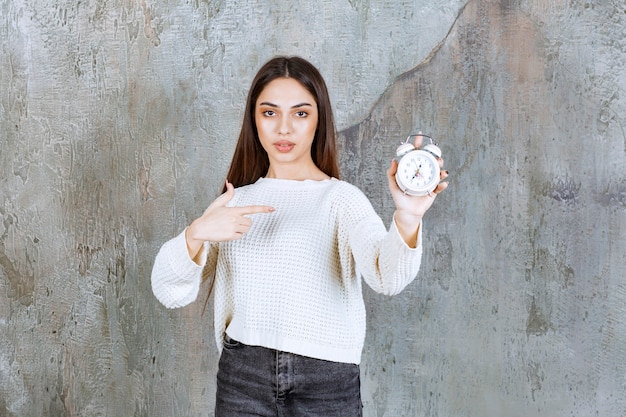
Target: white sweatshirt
(293, 282)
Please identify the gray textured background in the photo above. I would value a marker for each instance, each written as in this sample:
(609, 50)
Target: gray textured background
(118, 120)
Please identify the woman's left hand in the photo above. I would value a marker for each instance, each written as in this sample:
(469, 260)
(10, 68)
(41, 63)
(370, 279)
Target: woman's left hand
(410, 209)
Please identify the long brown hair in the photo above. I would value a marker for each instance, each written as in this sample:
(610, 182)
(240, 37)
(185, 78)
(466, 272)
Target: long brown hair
(250, 161)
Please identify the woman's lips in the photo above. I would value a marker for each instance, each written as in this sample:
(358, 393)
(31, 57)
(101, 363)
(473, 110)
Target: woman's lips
(284, 146)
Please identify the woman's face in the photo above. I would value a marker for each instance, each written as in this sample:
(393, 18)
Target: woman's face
(286, 120)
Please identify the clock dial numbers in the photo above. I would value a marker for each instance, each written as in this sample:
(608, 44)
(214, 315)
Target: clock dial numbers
(418, 170)
(417, 173)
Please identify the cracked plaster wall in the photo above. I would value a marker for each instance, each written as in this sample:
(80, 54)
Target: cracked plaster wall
(117, 123)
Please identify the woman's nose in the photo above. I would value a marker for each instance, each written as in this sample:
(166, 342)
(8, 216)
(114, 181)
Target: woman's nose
(285, 125)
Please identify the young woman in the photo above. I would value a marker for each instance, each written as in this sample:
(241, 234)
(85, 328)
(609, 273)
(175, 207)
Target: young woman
(287, 246)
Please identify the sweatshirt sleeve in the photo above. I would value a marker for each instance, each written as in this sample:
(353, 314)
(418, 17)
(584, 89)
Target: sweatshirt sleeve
(176, 278)
(386, 263)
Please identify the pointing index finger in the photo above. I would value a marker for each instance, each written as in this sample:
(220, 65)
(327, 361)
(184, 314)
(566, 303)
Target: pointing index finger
(254, 209)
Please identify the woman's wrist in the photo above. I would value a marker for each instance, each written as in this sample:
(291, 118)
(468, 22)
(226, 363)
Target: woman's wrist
(194, 245)
(407, 218)
(408, 225)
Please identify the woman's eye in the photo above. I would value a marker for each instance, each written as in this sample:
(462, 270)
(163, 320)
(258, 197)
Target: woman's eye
(269, 113)
(302, 114)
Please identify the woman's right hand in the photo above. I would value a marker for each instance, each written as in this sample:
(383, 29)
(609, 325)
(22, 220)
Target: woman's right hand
(220, 223)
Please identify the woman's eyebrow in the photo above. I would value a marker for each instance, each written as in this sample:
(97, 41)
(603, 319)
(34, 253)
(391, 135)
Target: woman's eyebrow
(268, 104)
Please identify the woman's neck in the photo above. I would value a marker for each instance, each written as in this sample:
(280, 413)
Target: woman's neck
(297, 173)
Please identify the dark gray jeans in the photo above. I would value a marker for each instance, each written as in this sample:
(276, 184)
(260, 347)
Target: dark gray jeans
(256, 381)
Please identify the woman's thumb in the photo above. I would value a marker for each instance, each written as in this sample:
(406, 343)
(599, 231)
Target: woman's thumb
(223, 199)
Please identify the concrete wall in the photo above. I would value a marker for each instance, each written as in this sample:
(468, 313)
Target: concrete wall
(118, 119)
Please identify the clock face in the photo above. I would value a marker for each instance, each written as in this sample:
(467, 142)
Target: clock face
(418, 173)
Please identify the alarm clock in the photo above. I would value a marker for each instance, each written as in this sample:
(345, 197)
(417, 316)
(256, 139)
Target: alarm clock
(418, 169)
